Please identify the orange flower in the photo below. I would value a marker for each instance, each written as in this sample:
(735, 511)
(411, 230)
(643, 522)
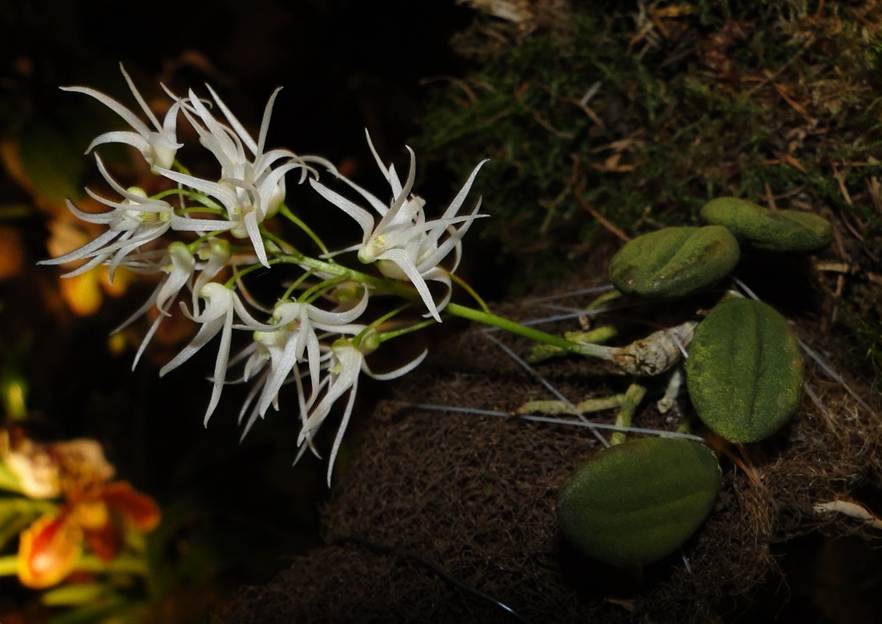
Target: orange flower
(104, 514)
(51, 548)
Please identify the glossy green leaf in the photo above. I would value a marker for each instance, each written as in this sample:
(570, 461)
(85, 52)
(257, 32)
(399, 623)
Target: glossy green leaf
(637, 502)
(774, 230)
(744, 371)
(674, 262)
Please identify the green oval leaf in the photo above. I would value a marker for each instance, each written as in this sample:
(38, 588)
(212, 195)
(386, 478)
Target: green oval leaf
(744, 370)
(674, 262)
(774, 230)
(637, 502)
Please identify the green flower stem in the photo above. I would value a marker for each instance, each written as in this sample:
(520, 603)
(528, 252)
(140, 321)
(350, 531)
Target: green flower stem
(200, 197)
(453, 309)
(337, 270)
(9, 565)
(123, 564)
(8, 481)
(196, 244)
(286, 212)
(237, 274)
(74, 594)
(471, 291)
(295, 285)
(598, 335)
(633, 397)
(313, 293)
(601, 300)
(488, 318)
(284, 245)
(395, 333)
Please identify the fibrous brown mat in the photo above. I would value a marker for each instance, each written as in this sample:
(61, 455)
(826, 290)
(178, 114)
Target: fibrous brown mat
(435, 507)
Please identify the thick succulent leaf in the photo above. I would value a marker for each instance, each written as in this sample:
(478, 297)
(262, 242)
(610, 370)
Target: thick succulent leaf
(774, 230)
(744, 371)
(674, 262)
(637, 502)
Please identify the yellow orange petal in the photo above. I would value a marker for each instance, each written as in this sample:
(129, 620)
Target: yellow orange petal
(48, 551)
(138, 509)
(91, 514)
(82, 293)
(121, 280)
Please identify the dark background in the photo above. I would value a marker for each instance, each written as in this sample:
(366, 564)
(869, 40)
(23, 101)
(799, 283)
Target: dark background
(236, 514)
(232, 514)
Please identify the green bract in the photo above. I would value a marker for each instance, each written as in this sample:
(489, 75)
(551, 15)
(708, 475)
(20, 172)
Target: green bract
(744, 370)
(637, 502)
(674, 262)
(774, 230)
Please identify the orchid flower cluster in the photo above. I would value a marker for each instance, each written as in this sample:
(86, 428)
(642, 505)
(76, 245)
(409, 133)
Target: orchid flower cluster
(202, 235)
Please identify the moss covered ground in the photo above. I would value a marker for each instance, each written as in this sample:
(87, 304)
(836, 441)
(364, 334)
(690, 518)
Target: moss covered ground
(608, 119)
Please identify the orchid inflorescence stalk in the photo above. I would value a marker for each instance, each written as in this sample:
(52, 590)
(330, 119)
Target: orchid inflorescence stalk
(321, 328)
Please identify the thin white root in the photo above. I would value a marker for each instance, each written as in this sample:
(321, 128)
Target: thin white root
(672, 391)
(559, 407)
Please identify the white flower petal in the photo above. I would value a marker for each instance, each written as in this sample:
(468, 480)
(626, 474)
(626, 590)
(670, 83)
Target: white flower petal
(457, 201)
(403, 261)
(359, 214)
(188, 224)
(121, 136)
(140, 99)
(400, 197)
(128, 116)
(237, 126)
(220, 365)
(265, 122)
(341, 429)
(254, 234)
(84, 251)
(398, 372)
(208, 331)
(221, 192)
(334, 318)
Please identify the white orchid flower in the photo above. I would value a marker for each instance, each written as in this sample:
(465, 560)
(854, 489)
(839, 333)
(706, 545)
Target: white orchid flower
(179, 267)
(404, 244)
(228, 146)
(346, 364)
(132, 222)
(276, 354)
(249, 189)
(158, 145)
(221, 304)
